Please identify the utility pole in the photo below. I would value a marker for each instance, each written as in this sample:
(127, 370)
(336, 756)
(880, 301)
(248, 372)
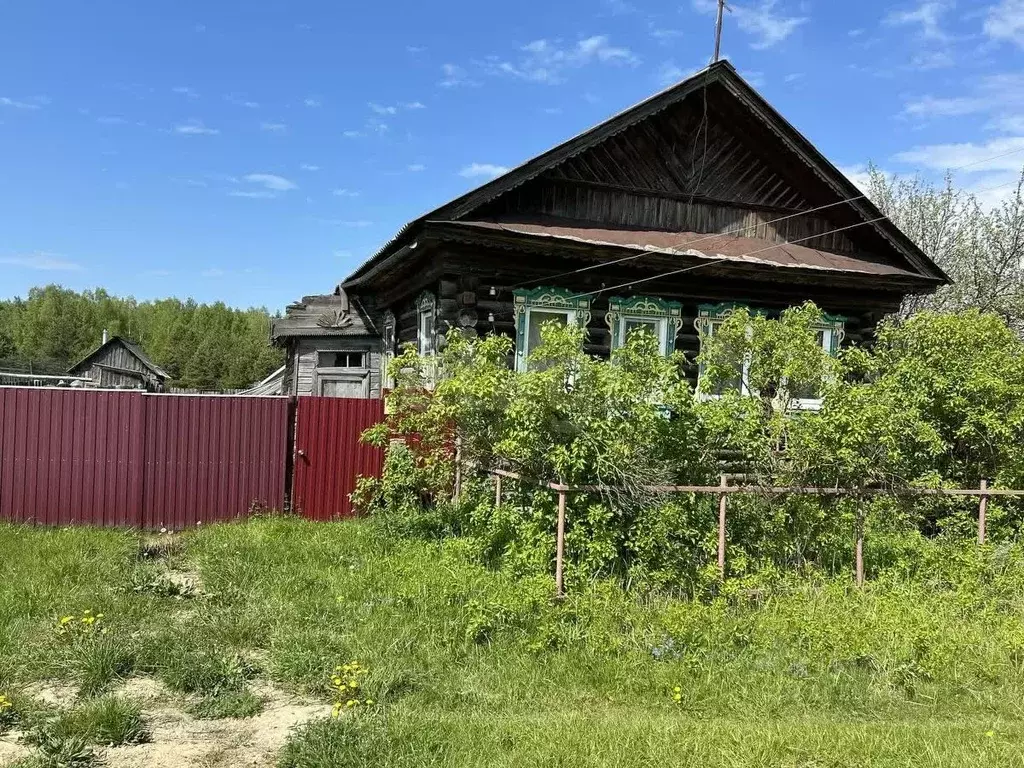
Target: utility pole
(718, 29)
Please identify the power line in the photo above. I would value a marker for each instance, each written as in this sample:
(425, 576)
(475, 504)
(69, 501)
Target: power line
(712, 262)
(736, 231)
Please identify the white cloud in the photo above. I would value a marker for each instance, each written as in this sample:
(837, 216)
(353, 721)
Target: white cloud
(270, 181)
(35, 103)
(382, 110)
(792, 77)
(1005, 22)
(238, 101)
(350, 134)
(477, 170)
(312, 101)
(414, 105)
(344, 193)
(260, 194)
(274, 127)
(213, 272)
(454, 76)
(42, 261)
(664, 35)
(925, 16)
(1000, 94)
(1003, 154)
(188, 93)
(670, 73)
(195, 128)
(416, 167)
(309, 167)
(926, 60)
(415, 49)
(858, 174)
(549, 61)
(1008, 124)
(760, 19)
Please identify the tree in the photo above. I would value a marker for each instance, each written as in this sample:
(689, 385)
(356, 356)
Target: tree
(981, 251)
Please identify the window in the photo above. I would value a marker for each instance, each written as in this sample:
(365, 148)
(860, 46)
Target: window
(661, 318)
(532, 309)
(343, 385)
(388, 348)
(426, 334)
(341, 360)
(829, 336)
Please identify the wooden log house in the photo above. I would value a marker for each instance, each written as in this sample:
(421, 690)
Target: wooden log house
(665, 216)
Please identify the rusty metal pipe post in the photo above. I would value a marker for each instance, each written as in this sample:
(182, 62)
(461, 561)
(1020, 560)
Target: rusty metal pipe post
(982, 512)
(721, 528)
(560, 547)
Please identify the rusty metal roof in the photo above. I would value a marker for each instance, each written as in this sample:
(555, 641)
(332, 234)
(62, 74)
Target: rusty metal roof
(746, 250)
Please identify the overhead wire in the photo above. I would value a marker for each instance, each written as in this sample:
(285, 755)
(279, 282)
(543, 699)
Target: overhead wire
(773, 246)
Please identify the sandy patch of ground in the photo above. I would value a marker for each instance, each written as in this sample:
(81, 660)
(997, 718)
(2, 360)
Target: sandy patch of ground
(179, 740)
(10, 749)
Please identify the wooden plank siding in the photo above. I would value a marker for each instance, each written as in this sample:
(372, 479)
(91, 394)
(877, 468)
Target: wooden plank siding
(303, 371)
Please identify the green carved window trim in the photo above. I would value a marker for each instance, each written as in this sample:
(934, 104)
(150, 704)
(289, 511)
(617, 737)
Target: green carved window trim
(546, 299)
(710, 315)
(667, 314)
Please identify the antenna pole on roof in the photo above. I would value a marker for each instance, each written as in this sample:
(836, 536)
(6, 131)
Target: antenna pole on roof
(718, 29)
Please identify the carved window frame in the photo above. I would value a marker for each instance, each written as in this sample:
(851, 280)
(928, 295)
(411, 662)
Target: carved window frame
(544, 299)
(667, 316)
(710, 316)
(426, 309)
(388, 346)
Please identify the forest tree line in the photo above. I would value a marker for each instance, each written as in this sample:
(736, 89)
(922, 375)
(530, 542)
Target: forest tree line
(202, 346)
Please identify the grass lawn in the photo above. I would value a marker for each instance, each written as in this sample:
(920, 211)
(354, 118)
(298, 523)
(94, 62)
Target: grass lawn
(471, 667)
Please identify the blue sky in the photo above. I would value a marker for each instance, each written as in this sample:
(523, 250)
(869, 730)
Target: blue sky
(255, 152)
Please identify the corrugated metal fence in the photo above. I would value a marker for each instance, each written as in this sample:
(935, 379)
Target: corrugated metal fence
(167, 461)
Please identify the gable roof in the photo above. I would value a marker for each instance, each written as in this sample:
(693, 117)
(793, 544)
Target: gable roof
(134, 349)
(721, 72)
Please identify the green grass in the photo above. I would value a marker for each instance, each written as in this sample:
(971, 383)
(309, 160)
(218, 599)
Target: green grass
(473, 667)
(242, 703)
(106, 721)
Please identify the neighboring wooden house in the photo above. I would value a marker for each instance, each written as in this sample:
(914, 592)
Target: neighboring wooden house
(333, 348)
(120, 364)
(665, 216)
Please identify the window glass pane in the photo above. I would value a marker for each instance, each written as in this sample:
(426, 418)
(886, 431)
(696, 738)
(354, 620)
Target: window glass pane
(536, 321)
(632, 324)
(426, 333)
(732, 384)
(340, 360)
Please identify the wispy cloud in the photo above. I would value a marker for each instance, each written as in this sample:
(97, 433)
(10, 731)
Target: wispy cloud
(858, 174)
(670, 72)
(42, 261)
(1005, 22)
(1002, 154)
(309, 167)
(415, 49)
(111, 120)
(453, 76)
(761, 19)
(257, 194)
(271, 181)
(344, 193)
(479, 170)
(274, 127)
(312, 101)
(926, 17)
(352, 134)
(416, 167)
(238, 101)
(549, 61)
(382, 110)
(195, 128)
(213, 272)
(1000, 95)
(36, 103)
(184, 90)
(414, 105)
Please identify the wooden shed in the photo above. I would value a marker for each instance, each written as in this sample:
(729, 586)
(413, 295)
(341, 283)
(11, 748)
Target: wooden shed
(121, 364)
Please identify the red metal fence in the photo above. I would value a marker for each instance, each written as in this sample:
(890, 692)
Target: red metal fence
(328, 454)
(131, 459)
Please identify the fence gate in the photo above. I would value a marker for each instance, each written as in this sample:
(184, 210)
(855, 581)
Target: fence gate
(328, 454)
